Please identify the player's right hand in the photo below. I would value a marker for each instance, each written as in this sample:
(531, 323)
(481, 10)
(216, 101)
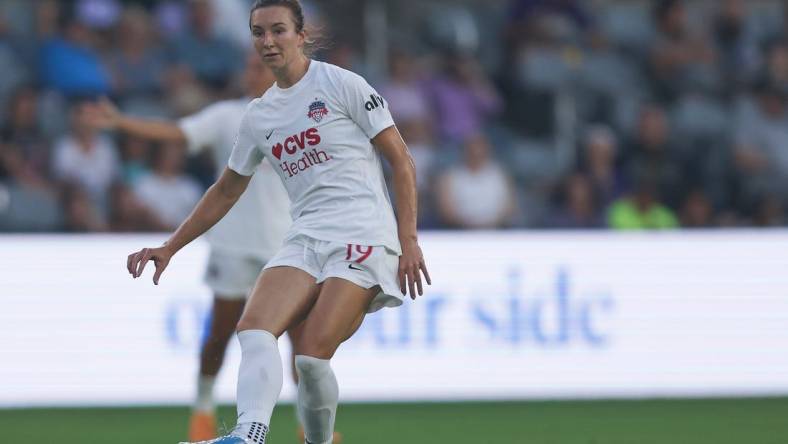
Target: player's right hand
(102, 114)
(135, 263)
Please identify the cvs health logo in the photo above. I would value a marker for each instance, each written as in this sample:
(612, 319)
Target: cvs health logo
(309, 137)
(307, 158)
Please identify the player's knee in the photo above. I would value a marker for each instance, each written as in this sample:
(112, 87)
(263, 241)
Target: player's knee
(317, 345)
(254, 323)
(309, 366)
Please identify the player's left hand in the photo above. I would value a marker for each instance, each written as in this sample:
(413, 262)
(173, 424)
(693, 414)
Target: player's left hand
(411, 266)
(135, 263)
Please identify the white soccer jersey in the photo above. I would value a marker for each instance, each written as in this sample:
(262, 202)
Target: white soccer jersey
(317, 135)
(257, 223)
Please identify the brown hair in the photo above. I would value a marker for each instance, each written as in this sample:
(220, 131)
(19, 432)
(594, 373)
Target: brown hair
(293, 5)
(314, 39)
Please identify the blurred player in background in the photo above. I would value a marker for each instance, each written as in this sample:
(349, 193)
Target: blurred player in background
(242, 242)
(345, 255)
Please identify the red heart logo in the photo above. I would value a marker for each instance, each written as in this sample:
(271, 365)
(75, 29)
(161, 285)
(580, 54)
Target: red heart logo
(277, 150)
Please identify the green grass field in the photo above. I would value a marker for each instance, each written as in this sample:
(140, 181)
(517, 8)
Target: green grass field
(714, 421)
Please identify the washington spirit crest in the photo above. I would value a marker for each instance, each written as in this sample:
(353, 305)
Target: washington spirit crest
(317, 110)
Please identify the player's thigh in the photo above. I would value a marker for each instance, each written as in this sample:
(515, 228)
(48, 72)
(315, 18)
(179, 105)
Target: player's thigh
(335, 316)
(281, 297)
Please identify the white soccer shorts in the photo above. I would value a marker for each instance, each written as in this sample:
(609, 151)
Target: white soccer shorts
(232, 276)
(364, 265)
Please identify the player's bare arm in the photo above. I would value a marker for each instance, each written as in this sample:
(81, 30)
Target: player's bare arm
(411, 263)
(215, 203)
(106, 115)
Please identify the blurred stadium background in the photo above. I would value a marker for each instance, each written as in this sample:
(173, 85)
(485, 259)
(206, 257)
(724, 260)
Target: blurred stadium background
(603, 189)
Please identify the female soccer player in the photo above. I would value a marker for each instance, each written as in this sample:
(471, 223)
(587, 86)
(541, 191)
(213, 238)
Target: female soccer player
(345, 254)
(242, 242)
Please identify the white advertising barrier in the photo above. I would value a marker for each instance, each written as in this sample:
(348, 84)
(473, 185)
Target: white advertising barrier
(509, 316)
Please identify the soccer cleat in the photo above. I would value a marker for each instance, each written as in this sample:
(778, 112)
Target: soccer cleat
(246, 433)
(227, 439)
(302, 438)
(202, 427)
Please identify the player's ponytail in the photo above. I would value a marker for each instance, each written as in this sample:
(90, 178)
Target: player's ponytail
(314, 42)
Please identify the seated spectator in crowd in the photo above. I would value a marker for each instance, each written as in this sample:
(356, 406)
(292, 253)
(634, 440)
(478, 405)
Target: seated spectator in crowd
(425, 157)
(769, 212)
(128, 214)
(404, 91)
(136, 65)
(462, 97)
(642, 210)
(598, 163)
(761, 150)
(478, 193)
(167, 191)
(736, 43)
(652, 153)
(80, 214)
(14, 70)
(211, 57)
(25, 145)
(86, 157)
(69, 62)
(679, 56)
(577, 206)
(135, 153)
(776, 69)
(697, 210)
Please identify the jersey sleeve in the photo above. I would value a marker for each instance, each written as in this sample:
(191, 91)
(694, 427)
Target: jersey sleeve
(365, 106)
(246, 155)
(201, 129)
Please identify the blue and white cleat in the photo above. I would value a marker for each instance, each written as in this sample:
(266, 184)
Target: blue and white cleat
(226, 439)
(248, 433)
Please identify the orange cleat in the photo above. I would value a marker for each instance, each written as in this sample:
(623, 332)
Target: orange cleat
(337, 436)
(202, 426)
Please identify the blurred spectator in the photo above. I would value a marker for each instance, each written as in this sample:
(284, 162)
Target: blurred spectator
(652, 153)
(736, 44)
(137, 67)
(577, 206)
(14, 70)
(28, 201)
(696, 210)
(424, 154)
(404, 92)
(776, 71)
(98, 14)
(761, 151)
(600, 149)
(679, 59)
(211, 57)
(642, 210)
(524, 12)
(69, 62)
(81, 215)
(86, 158)
(477, 193)
(169, 193)
(463, 98)
(26, 147)
(769, 211)
(128, 214)
(134, 153)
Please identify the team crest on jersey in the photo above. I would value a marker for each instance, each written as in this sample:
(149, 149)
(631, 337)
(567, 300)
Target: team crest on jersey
(317, 110)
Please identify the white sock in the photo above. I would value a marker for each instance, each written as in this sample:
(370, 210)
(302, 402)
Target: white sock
(318, 394)
(259, 383)
(204, 402)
